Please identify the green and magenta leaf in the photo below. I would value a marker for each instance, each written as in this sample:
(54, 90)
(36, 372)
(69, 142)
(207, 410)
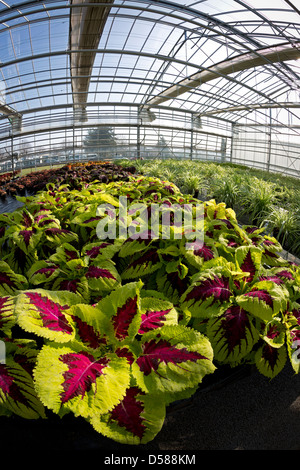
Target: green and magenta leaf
(78, 381)
(45, 313)
(172, 359)
(137, 419)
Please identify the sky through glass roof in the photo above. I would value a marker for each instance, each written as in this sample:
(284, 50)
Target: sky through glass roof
(147, 50)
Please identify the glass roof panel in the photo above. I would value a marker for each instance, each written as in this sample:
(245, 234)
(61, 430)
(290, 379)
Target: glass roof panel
(174, 54)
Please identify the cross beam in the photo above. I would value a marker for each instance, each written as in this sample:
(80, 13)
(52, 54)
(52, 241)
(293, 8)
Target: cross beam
(265, 56)
(87, 23)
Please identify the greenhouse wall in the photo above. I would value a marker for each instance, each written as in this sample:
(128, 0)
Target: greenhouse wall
(116, 132)
(273, 148)
(108, 133)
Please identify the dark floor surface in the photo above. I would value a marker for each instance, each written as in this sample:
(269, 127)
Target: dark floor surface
(248, 413)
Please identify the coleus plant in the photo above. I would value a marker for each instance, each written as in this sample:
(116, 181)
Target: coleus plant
(28, 237)
(234, 287)
(117, 363)
(103, 347)
(91, 275)
(168, 267)
(17, 390)
(250, 313)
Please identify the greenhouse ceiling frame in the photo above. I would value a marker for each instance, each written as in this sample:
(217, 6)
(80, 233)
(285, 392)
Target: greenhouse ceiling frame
(188, 84)
(111, 45)
(270, 55)
(80, 80)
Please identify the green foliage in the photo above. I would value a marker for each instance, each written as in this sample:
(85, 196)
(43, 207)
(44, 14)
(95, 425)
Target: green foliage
(258, 197)
(117, 329)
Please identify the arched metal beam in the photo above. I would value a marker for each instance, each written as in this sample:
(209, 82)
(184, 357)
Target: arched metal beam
(163, 58)
(250, 107)
(13, 116)
(8, 110)
(297, 10)
(265, 56)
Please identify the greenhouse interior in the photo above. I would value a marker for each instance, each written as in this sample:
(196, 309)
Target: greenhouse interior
(116, 334)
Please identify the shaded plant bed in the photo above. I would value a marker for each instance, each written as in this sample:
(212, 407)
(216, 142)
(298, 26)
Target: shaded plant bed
(116, 330)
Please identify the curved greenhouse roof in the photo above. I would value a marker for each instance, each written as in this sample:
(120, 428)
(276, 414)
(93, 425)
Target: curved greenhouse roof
(207, 79)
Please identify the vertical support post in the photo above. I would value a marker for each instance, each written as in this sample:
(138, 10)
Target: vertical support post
(233, 133)
(66, 152)
(192, 136)
(269, 149)
(138, 137)
(50, 149)
(73, 141)
(223, 149)
(12, 153)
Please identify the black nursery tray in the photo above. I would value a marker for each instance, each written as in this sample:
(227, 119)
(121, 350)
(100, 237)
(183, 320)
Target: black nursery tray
(71, 433)
(10, 204)
(220, 378)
